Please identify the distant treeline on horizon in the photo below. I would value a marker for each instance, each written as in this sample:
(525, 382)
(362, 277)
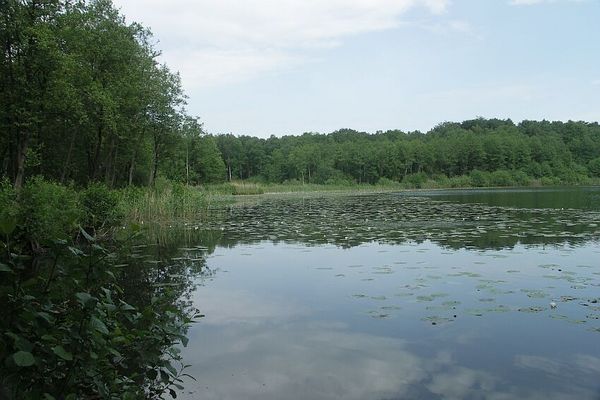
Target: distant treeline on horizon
(83, 99)
(490, 152)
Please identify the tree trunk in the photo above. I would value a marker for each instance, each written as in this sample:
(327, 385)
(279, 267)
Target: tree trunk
(154, 170)
(110, 161)
(22, 146)
(131, 169)
(187, 164)
(63, 176)
(5, 159)
(96, 159)
(114, 170)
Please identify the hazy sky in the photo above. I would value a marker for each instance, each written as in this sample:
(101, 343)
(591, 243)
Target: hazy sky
(263, 67)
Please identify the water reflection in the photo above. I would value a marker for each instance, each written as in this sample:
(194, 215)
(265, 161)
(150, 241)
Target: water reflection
(393, 297)
(349, 221)
(282, 323)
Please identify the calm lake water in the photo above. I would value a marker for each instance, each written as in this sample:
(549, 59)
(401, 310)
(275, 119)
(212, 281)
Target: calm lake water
(482, 294)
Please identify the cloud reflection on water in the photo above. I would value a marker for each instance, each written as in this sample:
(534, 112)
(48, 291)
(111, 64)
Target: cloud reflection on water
(264, 349)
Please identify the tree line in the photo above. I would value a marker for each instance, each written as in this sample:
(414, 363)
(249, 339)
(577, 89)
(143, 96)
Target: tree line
(84, 99)
(557, 152)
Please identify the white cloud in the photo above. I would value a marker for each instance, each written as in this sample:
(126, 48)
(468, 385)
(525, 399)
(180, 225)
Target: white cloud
(533, 2)
(221, 41)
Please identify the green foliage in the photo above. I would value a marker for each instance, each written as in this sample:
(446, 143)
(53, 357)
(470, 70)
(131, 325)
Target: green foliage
(594, 167)
(501, 178)
(8, 208)
(48, 211)
(241, 188)
(480, 178)
(100, 205)
(166, 201)
(415, 181)
(383, 181)
(69, 328)
(84, 99)
(463, 181)
(209, 164)
(521, 178)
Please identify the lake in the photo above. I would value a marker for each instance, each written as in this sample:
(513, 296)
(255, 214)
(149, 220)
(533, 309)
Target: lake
(458, 294)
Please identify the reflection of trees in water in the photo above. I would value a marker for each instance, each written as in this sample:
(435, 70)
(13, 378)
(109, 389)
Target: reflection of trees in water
(168, 266)
(159, 280)
(353, 220)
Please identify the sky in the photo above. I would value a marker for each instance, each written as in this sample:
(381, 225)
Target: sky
(281, 67)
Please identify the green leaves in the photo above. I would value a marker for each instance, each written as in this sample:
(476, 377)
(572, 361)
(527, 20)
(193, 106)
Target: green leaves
(98, 325)
(76, 302)
(62, 353)
(5, 268)
(86, 235)
(23, 359)
(8, 223)
(86, 300)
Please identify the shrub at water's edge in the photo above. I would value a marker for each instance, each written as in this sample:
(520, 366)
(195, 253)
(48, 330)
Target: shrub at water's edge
(69, 329)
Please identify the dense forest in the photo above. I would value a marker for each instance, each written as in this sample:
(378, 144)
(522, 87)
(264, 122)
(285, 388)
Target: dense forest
(484, 152)
(85, 99)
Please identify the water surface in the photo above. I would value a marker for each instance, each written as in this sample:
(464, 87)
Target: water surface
(440, 295)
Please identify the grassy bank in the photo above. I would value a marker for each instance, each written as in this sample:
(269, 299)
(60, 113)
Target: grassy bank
(476, 179)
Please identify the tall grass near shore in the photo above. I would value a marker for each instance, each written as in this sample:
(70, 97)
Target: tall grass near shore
(166, 201)
(475, 179)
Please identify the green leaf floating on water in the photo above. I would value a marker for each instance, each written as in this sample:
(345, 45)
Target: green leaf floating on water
(62, 353)
(23, 358)
(531, 309)
(380, 298)
(425, 298)
(534, 294)
(436, 320)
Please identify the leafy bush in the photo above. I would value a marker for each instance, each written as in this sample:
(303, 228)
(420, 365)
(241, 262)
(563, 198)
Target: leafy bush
(550, 181)
(441, 180)
(8, 208)
(574, 174)
(48, 211)
(462, 181)
(521, 178)
(594, 167)
(415, 180)
(480, 178)
(383, 181)
(501, 178)
(69, 331)
(100, 205)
